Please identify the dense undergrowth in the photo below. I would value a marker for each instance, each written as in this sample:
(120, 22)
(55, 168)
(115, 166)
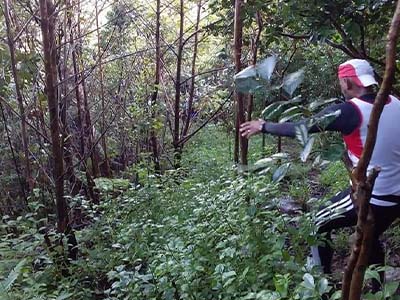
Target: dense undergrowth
(200, 232)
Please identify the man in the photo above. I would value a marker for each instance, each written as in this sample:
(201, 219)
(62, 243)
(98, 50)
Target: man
(356, 78)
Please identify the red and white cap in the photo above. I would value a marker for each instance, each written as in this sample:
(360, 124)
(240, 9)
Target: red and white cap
(359, 70)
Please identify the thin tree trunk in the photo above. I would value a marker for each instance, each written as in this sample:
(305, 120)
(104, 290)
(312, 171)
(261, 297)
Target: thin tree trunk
(193, 73)
(75, 183)
(355, 270)
(17, 170)
(11, 46)
(255, 43)
(177, 147)
(240, 110)
(77, 89)
(89, 129)
(153, 136)
(106, 163)
(82, 120)
(48, 19)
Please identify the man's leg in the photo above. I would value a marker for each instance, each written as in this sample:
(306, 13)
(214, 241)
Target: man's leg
(340, 213)
(384, 217)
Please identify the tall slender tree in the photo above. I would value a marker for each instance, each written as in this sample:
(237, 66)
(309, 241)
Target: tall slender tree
(48, 19)
(11, 46)
(177, 103)
(189, 109)
(106, 163)
(153, 136)
(240, 142)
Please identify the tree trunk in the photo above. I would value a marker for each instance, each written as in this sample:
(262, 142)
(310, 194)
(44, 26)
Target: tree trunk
(82, 119)
(14, 158)
(48, 19)
(189, 109)
(11, 47)
(106, 163)
(254, 49)
(89, 129)
(355, 270)
(240, 98)
(177, 147)
(64, 73)
(153, 136)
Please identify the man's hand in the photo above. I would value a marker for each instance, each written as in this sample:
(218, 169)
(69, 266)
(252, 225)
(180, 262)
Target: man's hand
(248, 129)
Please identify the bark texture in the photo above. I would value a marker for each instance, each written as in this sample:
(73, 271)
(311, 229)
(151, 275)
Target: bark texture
(241, 143)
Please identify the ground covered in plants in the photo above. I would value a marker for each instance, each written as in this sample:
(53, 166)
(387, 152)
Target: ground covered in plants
(204, 231)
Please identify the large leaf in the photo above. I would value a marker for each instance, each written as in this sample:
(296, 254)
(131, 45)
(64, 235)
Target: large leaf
(280, 155)
(325, 120)
(281, 172)
(275, 109)
(323, 286)
(316, 104)
(290, 112)
(391, 288)
(253, 78)
(302, 133)
(292, 81)
(291, 117)
(308, 281)
(64, 296)
(307, 149)
(7, 283)
(267, 163)
(269, 109)
(247, 80)
(263, 163)
(266, 67)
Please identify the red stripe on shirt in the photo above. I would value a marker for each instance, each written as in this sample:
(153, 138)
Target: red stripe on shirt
(353, 140)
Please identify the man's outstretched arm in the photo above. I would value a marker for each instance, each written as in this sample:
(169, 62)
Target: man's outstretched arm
(347, 121)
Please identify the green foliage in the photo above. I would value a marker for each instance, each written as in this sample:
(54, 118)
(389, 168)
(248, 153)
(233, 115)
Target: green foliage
(388, 288)
(6, 284)
(199, 232)
(334, 177)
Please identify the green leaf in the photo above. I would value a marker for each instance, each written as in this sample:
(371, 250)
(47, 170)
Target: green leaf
(64, 295)
(280, 155)
(325, 120)
(228, 274)
(262, 163)
(292, 81)
(280, 173)
(291, 117)
(273, 111)
(266, 67)
(247, 80)
(323, 286)
(316, 104)
(333, 153)
(391, 288)
(7, 283)
(302, 134)
(308, 281)
(372, 274)
(336, 295)
(307, 149)
(281, 283)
